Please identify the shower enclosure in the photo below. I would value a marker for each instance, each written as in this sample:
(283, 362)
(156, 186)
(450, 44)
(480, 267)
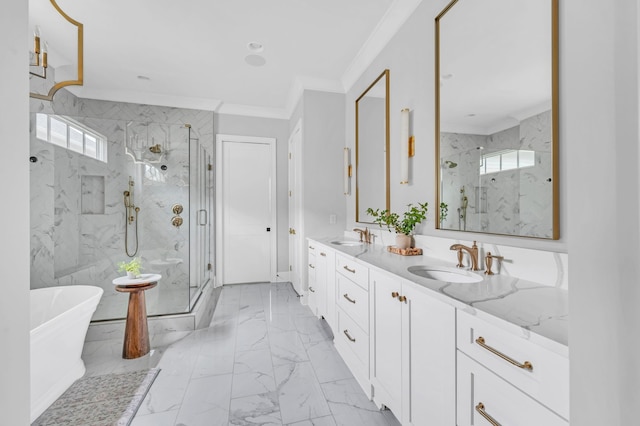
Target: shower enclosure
(106, 191)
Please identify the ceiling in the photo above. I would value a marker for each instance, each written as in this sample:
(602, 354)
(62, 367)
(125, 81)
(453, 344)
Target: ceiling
(192, 53)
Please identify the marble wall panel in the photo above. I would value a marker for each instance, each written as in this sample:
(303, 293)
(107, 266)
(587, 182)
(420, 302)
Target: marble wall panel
(517, 202)
(69, 247)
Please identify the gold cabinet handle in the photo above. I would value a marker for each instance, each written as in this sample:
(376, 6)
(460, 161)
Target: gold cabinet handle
(346, 333)
(480, 409)
(402, 299)
(311, 290)
(395, 294)
(346, 296)
(353, 271)
(525, 366)
(311, 266)
(323, 254)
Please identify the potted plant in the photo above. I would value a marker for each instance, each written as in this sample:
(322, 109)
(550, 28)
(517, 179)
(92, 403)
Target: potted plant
(403, 226)
(132, 268)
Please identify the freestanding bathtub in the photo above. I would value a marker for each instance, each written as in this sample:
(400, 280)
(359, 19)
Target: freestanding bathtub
(60, 318)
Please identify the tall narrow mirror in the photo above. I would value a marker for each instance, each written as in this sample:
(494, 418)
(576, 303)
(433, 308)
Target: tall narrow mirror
(497, 117)
(372, 148)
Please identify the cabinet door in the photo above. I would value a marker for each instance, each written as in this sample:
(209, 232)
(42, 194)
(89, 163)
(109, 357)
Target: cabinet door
(429, 395)
(330, 288)
(321, 281)
(482, 395)
(387, 341)
(312, 299)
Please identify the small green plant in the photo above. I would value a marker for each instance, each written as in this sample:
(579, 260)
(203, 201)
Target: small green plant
(134, 266)
(405, 225)
(444, 211)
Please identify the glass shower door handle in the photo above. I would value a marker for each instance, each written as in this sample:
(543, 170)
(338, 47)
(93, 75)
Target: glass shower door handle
(203, 218)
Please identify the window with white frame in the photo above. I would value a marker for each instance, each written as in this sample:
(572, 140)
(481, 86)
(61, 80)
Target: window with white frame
(506, 160)
(69, 134)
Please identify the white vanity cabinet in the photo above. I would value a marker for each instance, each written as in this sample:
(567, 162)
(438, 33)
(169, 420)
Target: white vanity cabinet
(503, 375)
(312, 300)
(326, 284)
(322, 282)
(413, 342)
(351, 335)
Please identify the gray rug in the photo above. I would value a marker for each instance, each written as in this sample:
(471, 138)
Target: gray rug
(112, 399)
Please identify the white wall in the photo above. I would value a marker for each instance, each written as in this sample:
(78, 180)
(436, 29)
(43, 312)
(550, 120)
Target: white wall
(323, 150)
(14, 250)
(599, 124)
(269, 128)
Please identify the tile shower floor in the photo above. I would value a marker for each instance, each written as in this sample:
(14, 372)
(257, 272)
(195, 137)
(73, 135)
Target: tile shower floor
(264, 360)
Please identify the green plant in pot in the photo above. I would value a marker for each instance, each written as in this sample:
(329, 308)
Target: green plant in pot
(132, 268)
(402, 225)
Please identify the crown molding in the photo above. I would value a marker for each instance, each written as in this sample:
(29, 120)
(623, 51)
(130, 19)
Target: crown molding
(389, 25)
(253, 111)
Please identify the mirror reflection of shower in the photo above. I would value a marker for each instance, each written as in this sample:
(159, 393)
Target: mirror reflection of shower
(462, 210)
(131, 218)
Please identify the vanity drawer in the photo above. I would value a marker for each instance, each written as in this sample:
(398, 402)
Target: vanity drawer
(501, 401)
(354, 338)
(354, 300)
(547, 379)
(352, 270)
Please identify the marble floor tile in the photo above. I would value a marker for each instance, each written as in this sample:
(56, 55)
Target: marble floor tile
(265, 359)
(206, 402)
(253, 410)
(166, 418)
(320, 421)
(350, 406)
(287, 347)
(326, 362)
(299, 393)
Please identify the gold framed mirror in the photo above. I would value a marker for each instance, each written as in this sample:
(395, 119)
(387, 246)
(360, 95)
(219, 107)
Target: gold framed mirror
(372, 148)
(496, 139)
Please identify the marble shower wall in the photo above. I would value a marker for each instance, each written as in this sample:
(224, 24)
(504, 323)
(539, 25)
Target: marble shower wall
(515, 202)
(77, 209)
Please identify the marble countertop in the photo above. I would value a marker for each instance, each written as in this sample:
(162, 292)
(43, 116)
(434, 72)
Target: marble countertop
(538, 312)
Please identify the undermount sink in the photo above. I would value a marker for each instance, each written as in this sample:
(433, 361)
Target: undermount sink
(347, 243)
(450, 275)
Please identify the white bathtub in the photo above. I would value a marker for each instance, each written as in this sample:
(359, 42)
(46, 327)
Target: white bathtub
(60, 318)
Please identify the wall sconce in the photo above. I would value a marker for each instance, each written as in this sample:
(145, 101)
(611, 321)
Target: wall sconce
(347, 171)
(38, 67)
(407, 146)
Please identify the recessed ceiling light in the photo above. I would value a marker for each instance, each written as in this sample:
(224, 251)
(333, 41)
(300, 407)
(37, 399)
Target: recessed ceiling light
(255, 47)
(144, 77)
(255, 60)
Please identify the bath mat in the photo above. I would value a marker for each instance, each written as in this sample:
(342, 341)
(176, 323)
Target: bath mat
(111, 399)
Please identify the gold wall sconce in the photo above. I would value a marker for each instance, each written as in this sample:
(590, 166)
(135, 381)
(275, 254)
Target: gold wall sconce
(407, 146)
(38, 67)
(348, 171)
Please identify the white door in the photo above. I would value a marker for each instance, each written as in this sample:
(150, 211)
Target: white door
(295, 246)
(246, 194)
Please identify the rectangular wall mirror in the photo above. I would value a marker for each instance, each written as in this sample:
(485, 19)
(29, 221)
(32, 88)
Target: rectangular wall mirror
(497, 117)
(372, 148)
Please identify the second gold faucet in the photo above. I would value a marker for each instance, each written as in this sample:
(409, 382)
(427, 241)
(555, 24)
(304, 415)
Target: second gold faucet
(473, 254)
(364, 233)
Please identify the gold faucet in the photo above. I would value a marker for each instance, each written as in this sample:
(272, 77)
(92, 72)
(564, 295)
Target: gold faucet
(489, 262)
(364, 233)
(473, 254)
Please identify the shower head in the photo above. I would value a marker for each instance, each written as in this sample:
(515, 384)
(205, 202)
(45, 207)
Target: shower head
(450, 164)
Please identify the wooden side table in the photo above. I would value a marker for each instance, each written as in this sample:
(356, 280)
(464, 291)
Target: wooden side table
(136, 332)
